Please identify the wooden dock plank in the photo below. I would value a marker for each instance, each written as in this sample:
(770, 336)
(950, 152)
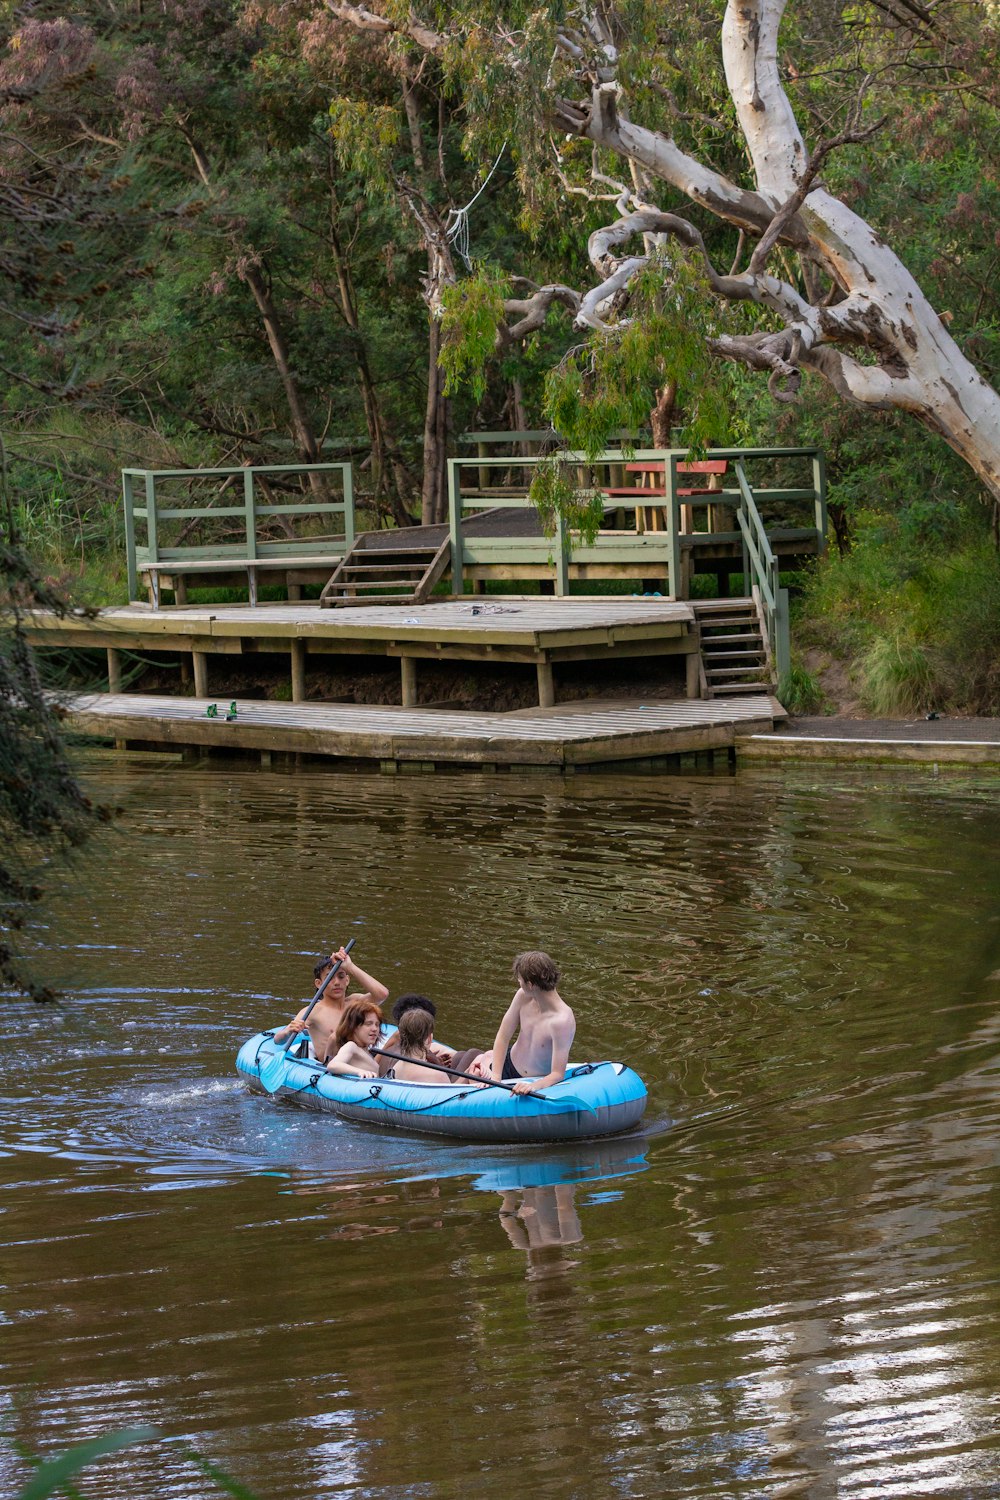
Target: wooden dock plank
(433, 735)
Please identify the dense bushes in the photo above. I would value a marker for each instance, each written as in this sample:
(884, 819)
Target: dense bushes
(914, 614)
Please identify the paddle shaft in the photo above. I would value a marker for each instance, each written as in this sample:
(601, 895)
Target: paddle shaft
(317, 997)
(495, 1083)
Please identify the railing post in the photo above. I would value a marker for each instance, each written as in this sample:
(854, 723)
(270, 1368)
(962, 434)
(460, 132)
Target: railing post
(251, 513)
(348, 478)
(675, 581)
(562, 550)
(455, 525)
(782, 636)
(819, 501)
(130, 562)
(151, 537)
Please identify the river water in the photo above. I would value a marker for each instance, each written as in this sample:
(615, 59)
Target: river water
(786, 1285)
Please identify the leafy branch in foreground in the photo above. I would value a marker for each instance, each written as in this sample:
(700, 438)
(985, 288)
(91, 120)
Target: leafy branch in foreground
(43, 809)
(54, 1476)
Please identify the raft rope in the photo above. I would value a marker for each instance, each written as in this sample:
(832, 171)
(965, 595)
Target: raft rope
(375, 1092)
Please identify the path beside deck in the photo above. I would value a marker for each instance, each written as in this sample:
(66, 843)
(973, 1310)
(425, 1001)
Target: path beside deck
(941, 741)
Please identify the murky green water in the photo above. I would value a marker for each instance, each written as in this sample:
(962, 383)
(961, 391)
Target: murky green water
(787, 1286)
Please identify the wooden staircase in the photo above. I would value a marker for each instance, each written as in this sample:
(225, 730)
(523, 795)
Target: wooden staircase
(734, 654)
(382, 568)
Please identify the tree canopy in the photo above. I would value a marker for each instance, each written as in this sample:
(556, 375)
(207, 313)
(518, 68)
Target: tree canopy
(247, 227)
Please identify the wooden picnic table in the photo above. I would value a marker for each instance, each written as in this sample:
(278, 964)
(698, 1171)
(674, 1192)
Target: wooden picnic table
(652, 482)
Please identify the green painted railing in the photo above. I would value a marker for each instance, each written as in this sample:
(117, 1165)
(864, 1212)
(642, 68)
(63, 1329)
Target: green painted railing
(150, 498)
(649, 553)
(761, 571)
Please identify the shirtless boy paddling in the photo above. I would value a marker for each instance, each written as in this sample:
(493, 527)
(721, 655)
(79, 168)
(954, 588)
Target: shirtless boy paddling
(544, 1024)
(322, 1024)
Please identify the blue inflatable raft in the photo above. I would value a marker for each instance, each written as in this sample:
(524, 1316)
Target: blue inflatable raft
(594, 1099)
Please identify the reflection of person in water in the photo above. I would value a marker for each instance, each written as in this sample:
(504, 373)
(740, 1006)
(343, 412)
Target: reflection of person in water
(542, 1223)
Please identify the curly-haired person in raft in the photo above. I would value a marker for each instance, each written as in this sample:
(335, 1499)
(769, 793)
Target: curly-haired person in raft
(359, 1030)
(532, 1046)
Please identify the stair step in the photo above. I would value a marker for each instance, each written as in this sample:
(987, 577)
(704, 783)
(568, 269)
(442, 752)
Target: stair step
(729, 671)
(726, 690)
(414, 567)
(424, 552)
(728, 655)
(716, 640)
(721, 606)
(729, 623)
(381, 584)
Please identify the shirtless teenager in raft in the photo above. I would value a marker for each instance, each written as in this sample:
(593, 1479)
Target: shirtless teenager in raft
(322, 1024)
(544, 1026)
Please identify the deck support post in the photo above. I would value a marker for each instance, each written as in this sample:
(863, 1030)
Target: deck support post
(298, 671)
(180, 589)
(546, 685)
(692, 680)
(199, 661)
(408, 673)
(114, 670)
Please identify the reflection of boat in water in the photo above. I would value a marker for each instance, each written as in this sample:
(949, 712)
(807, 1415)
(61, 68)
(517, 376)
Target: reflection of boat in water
(594, 1099)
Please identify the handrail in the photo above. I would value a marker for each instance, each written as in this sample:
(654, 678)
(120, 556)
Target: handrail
(664, 553)
(761, 565)
(143, 506)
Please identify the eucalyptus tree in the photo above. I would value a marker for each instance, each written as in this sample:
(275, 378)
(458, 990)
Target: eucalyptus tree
(626, 100)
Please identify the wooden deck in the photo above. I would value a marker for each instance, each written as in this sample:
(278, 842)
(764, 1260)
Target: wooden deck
(622, 736)
(519, 620)
(530, 630)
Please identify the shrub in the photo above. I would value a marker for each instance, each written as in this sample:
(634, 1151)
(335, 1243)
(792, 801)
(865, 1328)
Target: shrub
(898, 677)
(799, 691)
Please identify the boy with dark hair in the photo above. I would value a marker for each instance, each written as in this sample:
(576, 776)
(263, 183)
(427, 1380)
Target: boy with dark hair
(544, 1026)
(322, 1024)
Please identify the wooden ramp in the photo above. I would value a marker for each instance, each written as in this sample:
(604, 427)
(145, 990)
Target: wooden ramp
(615, 735)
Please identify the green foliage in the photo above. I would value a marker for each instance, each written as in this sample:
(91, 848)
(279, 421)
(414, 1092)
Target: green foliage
(473, 311)
(611, 381)
(920, 621)
(800, 692)
(554, 492)
(53, 1478)
(43, 810)
(899, 678)
(366, 136)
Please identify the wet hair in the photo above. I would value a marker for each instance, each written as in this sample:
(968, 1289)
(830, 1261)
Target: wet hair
(416, 1027)
(321, 965)
(536, 968)
(412, 1002)
(355, 1015)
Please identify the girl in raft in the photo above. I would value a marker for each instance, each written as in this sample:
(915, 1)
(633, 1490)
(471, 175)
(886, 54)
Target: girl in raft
(359, 1030)
(414, 1041)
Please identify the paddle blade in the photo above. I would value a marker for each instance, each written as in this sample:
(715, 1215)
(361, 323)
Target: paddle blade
(274, 1071)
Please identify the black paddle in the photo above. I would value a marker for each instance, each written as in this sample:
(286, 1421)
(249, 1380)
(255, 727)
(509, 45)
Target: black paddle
(494, 1083)
(274, 1068)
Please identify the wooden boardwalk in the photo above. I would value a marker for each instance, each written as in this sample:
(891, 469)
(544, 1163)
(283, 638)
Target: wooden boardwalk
(617, 735)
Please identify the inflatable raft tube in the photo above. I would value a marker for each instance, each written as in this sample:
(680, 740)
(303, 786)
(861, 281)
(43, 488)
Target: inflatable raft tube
(594, 1099)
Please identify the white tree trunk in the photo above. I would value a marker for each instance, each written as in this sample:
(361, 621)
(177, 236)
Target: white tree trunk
(921, 370)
